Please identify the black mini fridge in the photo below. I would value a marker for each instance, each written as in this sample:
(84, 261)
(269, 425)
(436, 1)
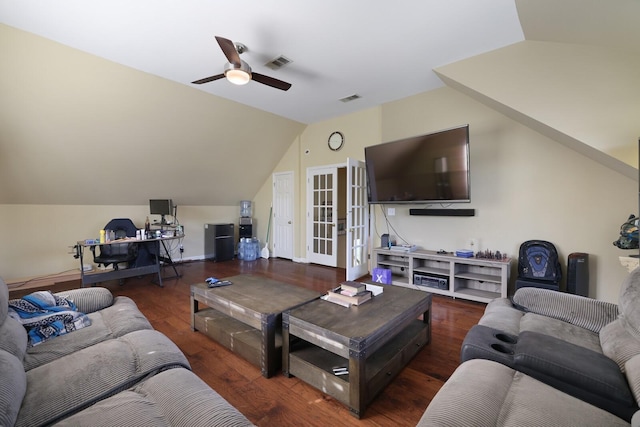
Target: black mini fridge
(219, 242)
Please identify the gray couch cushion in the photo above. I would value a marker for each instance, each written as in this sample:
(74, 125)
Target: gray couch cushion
(584, 312)
(501, 315)
(620, 340)
(13, 337)
(618, 344)
(485, 393)
(88, 300)
(175, 397)
(115, 321)
(75, 381)
(632, 368)
(587, 375)
(629, 304)
(562, 330)
(13, 385)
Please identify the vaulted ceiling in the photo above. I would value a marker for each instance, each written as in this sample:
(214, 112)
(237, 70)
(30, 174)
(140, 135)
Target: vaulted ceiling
(381, 51)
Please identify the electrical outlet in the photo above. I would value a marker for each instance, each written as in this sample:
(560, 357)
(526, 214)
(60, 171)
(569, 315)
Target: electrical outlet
(391, 211)
(181, 248)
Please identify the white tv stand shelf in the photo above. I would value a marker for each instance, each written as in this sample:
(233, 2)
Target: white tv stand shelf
(474, 279)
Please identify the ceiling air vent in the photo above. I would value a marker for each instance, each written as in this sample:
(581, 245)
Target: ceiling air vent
(350, 98)
(279, 62)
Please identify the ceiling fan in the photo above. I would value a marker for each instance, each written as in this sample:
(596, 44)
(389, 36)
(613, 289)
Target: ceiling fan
(239, 72)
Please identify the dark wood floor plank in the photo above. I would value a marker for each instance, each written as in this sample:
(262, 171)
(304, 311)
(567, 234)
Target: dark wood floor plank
(285, 401)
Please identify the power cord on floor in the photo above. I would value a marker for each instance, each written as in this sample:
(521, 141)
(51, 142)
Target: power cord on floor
(33, 279)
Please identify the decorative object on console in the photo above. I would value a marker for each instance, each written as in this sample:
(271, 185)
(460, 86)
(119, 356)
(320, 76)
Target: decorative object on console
(403, 248)
(381, 275)
(464, 253)
(385, 241)
(488, 254)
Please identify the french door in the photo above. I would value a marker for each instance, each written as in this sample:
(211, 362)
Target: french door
(321, 215)
(357, 225)
(322, 235)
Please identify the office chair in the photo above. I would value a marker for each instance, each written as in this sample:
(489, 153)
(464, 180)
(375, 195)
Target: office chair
(117, 253)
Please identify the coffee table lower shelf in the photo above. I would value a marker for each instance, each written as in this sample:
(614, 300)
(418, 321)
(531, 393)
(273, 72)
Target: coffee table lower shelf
(238, 337)
(314, 366)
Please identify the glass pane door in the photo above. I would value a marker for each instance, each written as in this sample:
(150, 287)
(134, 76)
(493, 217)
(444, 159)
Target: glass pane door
(322, 221)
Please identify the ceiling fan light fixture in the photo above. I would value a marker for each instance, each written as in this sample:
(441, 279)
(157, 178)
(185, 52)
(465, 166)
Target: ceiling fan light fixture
(238, 74)
(238, 77)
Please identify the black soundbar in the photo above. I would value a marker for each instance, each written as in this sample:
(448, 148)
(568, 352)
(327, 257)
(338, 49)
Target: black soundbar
(443, 212)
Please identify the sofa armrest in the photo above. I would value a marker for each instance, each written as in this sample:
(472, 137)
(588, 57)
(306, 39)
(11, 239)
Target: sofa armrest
(585, 312)
(88, 300)
(580, 372)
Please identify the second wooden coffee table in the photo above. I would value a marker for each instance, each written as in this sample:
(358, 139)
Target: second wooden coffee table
(374, 341)
(246, 317)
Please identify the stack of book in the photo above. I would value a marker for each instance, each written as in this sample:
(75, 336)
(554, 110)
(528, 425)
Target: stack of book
(464, 253)
(349, 293)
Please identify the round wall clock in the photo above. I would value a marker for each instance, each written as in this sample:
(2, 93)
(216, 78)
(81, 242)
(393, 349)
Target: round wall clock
(336, 141)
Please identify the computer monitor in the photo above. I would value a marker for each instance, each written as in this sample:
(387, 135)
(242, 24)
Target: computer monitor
(161, 207)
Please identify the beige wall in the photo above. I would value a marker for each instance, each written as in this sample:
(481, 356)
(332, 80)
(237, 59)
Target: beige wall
(37, 239)
(524, 185)
(586, 97)
(83, 140)
(359, 129)
(63, 109)
(311, 149)
(76, 129)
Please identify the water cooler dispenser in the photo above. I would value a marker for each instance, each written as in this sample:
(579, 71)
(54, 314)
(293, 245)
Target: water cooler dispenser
(245, 227)
(248, 245)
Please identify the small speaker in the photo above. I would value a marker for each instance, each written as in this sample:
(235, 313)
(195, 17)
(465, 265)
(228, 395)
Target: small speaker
(578, 274)
(384, 241)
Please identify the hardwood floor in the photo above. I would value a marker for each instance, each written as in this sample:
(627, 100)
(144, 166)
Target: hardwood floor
(281, 401)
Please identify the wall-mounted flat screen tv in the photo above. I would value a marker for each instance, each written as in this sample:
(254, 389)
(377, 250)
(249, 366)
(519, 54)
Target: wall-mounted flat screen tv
(432, 168)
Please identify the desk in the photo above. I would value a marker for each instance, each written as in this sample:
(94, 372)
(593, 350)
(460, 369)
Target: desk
(91, 277)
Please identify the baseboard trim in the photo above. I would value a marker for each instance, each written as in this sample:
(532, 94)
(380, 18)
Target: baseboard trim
(43, 281)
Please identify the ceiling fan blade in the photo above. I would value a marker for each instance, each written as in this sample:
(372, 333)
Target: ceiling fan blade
(270, 81)
(208, 79)
(229, 50)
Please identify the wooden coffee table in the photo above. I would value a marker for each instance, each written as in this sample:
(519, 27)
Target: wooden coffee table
(374, 341)
(246, 317)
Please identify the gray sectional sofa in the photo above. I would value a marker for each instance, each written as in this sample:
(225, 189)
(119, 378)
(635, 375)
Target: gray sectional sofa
(546, 358)
(117, 371)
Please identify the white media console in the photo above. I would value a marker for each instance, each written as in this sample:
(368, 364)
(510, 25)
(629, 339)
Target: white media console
(474, 279)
